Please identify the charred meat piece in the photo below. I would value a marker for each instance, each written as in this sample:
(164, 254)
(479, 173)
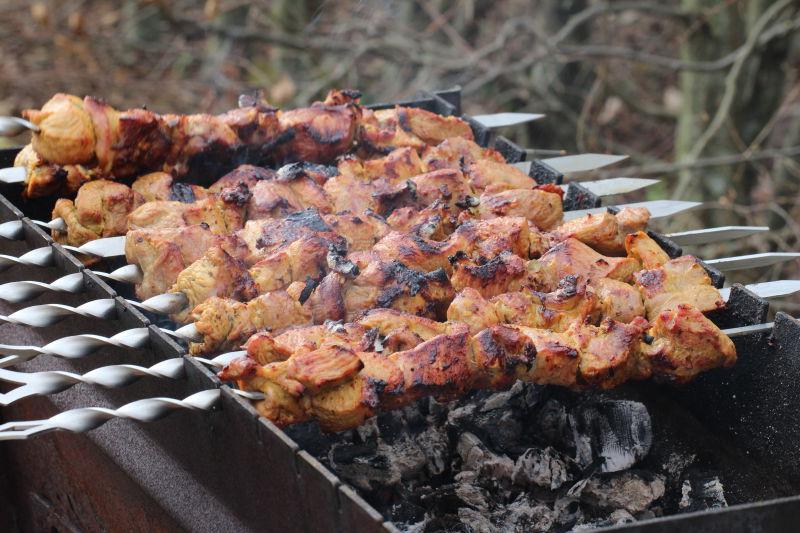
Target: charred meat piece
(385, 129)
(605, 232)
(163, 253)
(100, 209)
(162, 186)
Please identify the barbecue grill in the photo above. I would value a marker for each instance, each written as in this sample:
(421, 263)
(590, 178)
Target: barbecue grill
(238, 470)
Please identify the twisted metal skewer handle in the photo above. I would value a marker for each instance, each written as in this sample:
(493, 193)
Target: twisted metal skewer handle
(13, 230)
(20, 291)
(39, 316)
(88, 418)
(41, 257)
(13, 126)
(126, 274)
(74, 346)
(112, 376)
(167, 303)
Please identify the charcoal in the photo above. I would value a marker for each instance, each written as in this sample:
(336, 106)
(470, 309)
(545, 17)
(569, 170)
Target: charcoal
(553, 426)
(436, 448)
(700, 491)
(524, 514)
(475, 456)
(617, 433)
(567, 512)
(455, 495)
(406, 456)
(542, 467)
(616, 518)
(363, 465)
(630, 490)
(501, 428)
(475, 522)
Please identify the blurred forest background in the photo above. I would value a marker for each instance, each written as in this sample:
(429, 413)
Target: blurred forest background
(702, 94)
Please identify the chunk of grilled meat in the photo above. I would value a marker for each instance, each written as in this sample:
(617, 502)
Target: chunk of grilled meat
(163, 253)
(572, 302)
(220, 216)
(100, 209)
(339, 383)
(605, 232)
(226, 323)
(45, 179)
(573, 258)
(319, 133)
(385, 129)
(541, 206)
(160, 186)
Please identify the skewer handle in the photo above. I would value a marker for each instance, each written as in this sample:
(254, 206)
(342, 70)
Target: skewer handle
(112, 376)
(88, 418)
(13, 126)
(74, 346)
(41, 257)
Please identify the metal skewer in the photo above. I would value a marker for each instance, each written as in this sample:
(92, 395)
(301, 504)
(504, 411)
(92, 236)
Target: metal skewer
(13, 126)
(77, 346)
(502, 120)
(112, 376)
(88, 418)
(709, 235)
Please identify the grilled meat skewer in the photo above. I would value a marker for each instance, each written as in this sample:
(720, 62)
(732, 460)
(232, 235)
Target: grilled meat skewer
(79, 140)
(402, 178)
(225, 323)
(342, 375)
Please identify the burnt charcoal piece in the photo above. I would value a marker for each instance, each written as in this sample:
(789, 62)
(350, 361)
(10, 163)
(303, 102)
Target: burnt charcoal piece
(495, 417)
(700, 491)
(541, 467)
(631, 490)
(363, 465)
(568, 512)
(553, 426)
(475, 521)
(455, 495)
(617, 433)
(617, 518)
(487, 465)
(525, 514)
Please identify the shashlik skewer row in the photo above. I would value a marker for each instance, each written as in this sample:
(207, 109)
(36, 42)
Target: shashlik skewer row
(76, 140)
(21, 291)
(102, 209)
(224, 323)
(339, 378)
(343, 381)
(113, 376)
(12, 230)
(363, 393)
